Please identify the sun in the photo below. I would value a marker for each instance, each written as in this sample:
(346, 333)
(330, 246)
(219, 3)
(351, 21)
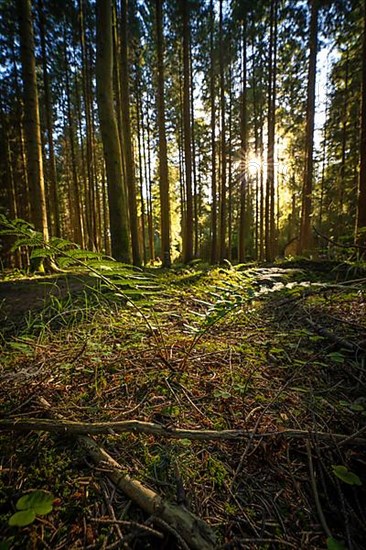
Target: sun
(254, 165)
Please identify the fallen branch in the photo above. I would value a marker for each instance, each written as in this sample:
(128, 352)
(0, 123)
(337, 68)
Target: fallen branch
(336, 243)
(341, 342)
(195, 533)
(137, 426)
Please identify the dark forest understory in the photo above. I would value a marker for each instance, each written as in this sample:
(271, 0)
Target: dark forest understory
(284, 368)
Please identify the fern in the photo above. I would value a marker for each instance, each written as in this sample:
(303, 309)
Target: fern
(118, 277)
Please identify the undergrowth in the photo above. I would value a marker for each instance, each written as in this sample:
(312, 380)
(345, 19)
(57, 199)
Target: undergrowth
(222, 348)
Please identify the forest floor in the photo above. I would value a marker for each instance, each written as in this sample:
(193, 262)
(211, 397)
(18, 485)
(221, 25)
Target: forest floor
(276, 353)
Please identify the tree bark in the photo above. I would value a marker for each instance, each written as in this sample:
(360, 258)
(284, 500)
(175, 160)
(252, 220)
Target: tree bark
(361, 203)
(270, 192)
(117, 196)
(75, 206)
(52, 173)
(222, 221)
(213, 140)
(244, 147)
(163, 158)
(87, 93)
(188, 232)
(32, 120)
(305, 243)
(127, 139)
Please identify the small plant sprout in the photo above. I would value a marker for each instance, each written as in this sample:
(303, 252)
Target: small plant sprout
(31, 505)
(343, 473)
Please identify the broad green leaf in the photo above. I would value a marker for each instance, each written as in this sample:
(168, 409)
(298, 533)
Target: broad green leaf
(39, 501)
(333, 544)
(345, 475)
(23, 518)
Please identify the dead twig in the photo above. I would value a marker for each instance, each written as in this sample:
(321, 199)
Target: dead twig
(315, 492)
(137, 426)
(108, 521)
(196, 534)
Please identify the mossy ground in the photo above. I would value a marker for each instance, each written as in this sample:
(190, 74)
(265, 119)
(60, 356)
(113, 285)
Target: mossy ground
(261, 368)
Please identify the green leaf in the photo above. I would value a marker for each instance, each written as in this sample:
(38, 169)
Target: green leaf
(4, 545)
(222, 394)
(336, 357)
(333, 544)
(23, 518)
(345, 475)
(357, 407)
(41, 253)
(39, 501)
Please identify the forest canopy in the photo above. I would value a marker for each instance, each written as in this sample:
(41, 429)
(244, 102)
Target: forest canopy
(218, 129)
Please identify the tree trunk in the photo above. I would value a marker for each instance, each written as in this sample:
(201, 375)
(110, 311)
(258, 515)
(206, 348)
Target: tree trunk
(188, 233)
(23, 190)
(163, 158)
(87, 93)
(31, 120)
(140, 163)
(117, 196)
(222, 221)
(306, 210)
(54, 201)
(213, 140)
(270, 193)
(15, 259)
(230, 168)
(127, 139)
(361, 204)
(244, 148)
(194, 166)
(148, 183)
(77, 224)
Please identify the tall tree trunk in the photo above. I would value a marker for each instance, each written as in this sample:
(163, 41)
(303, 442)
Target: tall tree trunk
(270, 191)
(77, 224)
(106, 240)
(163, 157)
(244, 147)
(31, 120)
(188, 234)
(117, 196)
(230, 169)
(213, 139)
(194, 166)
(54, 201)
(361, 204)
(91, 215)
(23, 190)
(140, 163)
(342, 171)
(127, 139)
(148, 182)
(324, 166)
(15, 259)
(306, 210)
(222, 221)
